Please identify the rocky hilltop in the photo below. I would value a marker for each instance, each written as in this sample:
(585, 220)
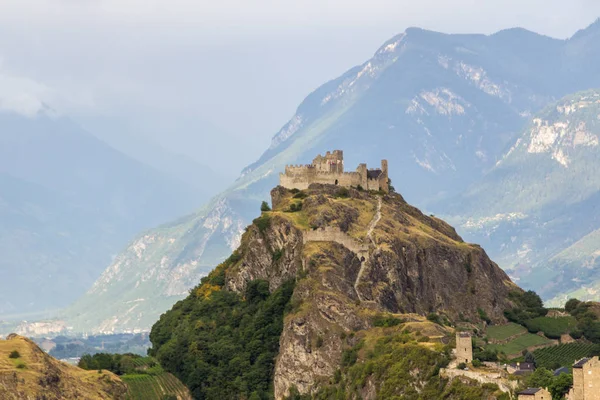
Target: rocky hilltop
(27, 372)
(365, 267)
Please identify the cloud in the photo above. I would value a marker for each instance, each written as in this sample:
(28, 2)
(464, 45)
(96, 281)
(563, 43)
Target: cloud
(21, 95)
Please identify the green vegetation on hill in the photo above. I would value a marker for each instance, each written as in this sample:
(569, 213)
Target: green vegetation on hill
(552, 327)
(519, 344)
(564, 355)
(394, 362)
(503, 332)
(528, 305)
(154, 387)
(220, 344)
(145, 378)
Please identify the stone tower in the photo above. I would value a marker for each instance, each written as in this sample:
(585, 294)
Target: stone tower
(464, 347)
(586, 379)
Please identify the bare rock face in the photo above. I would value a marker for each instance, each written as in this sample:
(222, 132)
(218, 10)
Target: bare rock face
(416, 264)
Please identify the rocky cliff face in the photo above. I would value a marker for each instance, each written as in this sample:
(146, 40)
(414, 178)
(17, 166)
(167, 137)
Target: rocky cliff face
(357, 255)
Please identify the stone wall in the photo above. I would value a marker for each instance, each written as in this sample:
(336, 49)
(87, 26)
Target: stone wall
(332, 234)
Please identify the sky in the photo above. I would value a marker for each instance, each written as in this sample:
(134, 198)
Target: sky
(216, 80)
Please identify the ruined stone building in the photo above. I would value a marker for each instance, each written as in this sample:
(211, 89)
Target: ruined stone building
(464, 347)
(586, 380)
(535, 394)
(329, 169)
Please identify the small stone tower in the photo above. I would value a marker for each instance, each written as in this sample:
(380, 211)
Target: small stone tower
(464, 347)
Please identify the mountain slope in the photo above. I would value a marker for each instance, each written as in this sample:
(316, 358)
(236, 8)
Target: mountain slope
(349, 263)
(33, 374)
(68, 202)
(537, 210)
(442, 108)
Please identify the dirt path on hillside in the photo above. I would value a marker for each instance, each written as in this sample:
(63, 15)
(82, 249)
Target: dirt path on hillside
(372, 226)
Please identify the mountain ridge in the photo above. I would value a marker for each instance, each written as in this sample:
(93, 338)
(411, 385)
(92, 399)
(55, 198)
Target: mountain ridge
(447, 108)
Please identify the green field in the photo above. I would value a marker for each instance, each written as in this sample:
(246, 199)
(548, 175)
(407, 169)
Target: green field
(564, 355)
(503, 332)
(552, 327)
(154, 387)
(519, 344)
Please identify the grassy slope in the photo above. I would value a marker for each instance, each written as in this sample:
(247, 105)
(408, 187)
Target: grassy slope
(34, 366)
(503, 332)
(519, 344)
(154, 387)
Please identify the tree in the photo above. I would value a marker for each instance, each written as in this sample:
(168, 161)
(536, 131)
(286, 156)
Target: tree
(571, 305)
(265, 207)
(530, 358)
(541, 377)
(560, 385)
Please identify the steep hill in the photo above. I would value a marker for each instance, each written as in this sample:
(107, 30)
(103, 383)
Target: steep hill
(26, 372)
(315, 286)
(443, 108)
(536, 210)
(68, 202)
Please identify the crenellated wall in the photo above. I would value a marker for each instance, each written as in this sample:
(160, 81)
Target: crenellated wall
(329, 169)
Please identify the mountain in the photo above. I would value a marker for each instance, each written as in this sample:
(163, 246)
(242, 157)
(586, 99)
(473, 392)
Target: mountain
(537, 210)
(309, 293)
(68, 202)
(444, 109)
(27, 372)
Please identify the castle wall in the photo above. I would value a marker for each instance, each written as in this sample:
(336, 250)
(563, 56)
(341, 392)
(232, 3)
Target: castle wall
(301, 177)
(332, 234)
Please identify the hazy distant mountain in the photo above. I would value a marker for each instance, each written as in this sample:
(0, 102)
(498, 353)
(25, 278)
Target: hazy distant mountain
(537, 211)
(193, 171)
(443, 109)
(68, 203)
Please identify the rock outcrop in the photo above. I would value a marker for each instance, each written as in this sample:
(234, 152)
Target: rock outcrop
(357, 258)
(415, 264)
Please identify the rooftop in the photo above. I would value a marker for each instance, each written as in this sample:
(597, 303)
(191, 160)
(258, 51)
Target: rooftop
(464, 334)
(562, 370)
(581, 363)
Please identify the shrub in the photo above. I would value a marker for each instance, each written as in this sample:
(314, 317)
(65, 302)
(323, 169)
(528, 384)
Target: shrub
(265, 207)
(263, 222)
(300, 195)
(483, 315)
(294, 207)
(14, 354)
(277, 254)
(433, 317)
(386, 321)
(319, 342)
(461, 366)
(476, 363)
(20, 365)
(360, 188)
(342, 193)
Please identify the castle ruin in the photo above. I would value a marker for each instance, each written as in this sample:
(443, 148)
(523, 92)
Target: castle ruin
(464, 347)
(329, 169)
